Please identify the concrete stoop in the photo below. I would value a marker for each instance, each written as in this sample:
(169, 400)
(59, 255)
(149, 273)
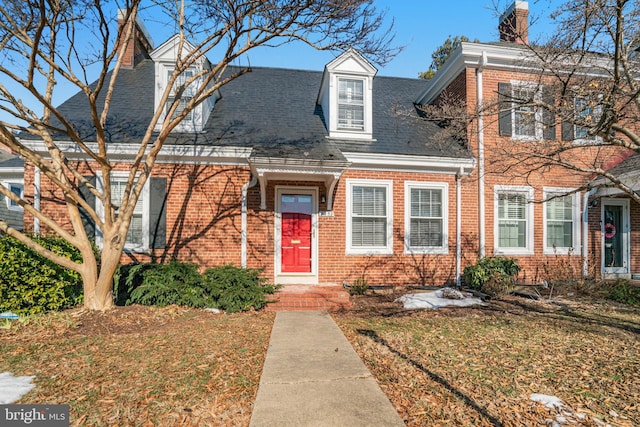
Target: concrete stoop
(308, 297)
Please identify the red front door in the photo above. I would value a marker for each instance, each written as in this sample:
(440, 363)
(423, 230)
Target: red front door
(296, 233)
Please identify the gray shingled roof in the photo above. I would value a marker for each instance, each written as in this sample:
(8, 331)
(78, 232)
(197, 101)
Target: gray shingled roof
(274, 111)
(631, 164)
(8, 160)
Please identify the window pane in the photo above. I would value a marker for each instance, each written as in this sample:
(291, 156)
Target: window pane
(351, 104)
(426, 224)
(560, 222)
(512, 221)
(16, 189)
(134, 235)
(524, 123)
(369, 216)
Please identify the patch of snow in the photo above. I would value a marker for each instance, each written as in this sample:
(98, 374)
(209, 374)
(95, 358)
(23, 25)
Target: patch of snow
(213, 310)
(435, 299)
(12, 388)
(8, 315)
(548, 401)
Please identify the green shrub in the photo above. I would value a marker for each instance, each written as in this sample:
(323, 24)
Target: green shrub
(624, 292)
(31, 284)
(237, 289)
(492, 275)
(360, 286)
(229, 288)
(165, 284)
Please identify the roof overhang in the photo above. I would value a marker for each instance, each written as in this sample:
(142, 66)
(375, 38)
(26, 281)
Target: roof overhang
(267, 169)
(606, 188)
(501, 57)
(183, 154)
(417, 164)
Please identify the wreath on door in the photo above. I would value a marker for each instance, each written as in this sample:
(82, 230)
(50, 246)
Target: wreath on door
(609, 230)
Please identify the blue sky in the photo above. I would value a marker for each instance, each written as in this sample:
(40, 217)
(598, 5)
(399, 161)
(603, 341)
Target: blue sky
(420, 25)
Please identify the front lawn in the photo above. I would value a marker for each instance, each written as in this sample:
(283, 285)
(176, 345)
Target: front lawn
(479, 366)
(142, 365)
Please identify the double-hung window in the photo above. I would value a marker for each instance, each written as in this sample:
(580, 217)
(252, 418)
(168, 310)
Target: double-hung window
(16, 188)
(525, 116)
(138, 234)
(369, 221)
(562, 217)
(513, 213)
(587, 113)
(185, 98)
(426, 217)
(350, 104)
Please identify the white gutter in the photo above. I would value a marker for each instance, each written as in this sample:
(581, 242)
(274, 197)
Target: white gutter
(585, 231)
(458, 225)
(243, 232)
(481, 197)
(36, 199)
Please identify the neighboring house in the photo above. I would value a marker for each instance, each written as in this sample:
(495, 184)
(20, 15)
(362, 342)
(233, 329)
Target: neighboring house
(11, 177)
(539, 215)
(324, 177)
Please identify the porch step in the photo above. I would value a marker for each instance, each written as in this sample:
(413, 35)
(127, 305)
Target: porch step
(308, 297)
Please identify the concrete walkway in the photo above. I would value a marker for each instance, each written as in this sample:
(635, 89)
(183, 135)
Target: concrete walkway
(313, 377)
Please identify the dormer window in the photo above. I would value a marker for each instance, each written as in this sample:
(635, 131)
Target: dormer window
(165, 59)
(350, 104)
(186, 97)
(346, 97)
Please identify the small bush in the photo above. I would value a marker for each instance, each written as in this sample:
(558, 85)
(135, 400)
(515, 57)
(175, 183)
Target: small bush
(624, 292)
(492, 275)
(237, 289)
(31, 284)
(360, 286)
(228, 288)
(165, 284)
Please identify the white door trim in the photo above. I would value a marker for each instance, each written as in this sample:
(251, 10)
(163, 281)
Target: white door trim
(624, 230)
(295, 278)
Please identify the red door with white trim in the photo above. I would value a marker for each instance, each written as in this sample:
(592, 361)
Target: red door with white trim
(296, 233)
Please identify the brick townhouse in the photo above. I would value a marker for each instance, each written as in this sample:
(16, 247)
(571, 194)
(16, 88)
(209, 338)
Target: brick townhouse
(320, 177)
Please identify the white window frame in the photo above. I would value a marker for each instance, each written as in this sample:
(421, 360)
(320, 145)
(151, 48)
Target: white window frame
(528, 193)
(370, 250)
(548, 193)
(362, 104)
(443, 187)
(596, 112)
(11, 205)
(537, 113)
(145, 197)
(193, 121)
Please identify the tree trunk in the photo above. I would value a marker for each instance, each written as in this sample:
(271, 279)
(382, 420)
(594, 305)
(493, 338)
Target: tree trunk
(98, 285)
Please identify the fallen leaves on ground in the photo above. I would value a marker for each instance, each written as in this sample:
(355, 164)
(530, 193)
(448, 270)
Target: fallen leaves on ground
(140, 366)
(478, 366)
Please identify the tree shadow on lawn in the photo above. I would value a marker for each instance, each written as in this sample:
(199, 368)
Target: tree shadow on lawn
(434, 377)
(563, 311)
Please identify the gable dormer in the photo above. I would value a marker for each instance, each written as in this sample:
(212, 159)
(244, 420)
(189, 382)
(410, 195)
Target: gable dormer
(165, 58)
(346, 96)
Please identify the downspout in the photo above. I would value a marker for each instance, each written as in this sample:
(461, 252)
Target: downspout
(243, 215)
(585, 232)
(458, 225)
(481, 207)
(36, 199)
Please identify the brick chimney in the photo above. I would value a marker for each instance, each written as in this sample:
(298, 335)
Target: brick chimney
(138, 45)
(514, 23)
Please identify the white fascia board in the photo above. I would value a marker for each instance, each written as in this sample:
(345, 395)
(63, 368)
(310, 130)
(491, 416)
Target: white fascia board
(181, 154)
(496, 57)
(406, 163)
(11, 171)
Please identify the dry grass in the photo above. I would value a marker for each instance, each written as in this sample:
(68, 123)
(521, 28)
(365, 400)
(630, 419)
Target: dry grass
(478, 366)
(139, 366)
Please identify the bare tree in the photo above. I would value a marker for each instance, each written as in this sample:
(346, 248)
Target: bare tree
(43, 43)
(586, 93)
